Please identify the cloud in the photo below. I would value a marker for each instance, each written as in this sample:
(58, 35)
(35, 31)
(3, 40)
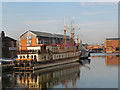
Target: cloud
(42, 22)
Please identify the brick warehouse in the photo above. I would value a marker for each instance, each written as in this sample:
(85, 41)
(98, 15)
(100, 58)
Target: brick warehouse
(112, 45)
(35, 38)
(8, 46)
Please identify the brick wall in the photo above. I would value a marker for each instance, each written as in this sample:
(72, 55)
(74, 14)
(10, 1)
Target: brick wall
(112, 45)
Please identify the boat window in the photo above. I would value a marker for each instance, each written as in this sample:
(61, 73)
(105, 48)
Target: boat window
(38, 51)
(20, 57)
(31, 56)
(27, 56)
(23, 56)
(35, 57)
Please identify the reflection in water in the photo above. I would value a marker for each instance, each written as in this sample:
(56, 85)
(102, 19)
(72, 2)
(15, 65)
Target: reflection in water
(83, 75)
(112, 59)
(84, 62)
(45, 79)
(49, 79)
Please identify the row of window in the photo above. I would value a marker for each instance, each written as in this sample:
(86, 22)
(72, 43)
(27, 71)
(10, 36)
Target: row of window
(27, 56)
(65, 55)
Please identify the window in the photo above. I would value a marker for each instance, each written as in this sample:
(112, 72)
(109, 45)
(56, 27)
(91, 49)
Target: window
(35, 57)
(117, 48)
(27, 56)
(39, 41)
(20, 57)
(38, 51)
(53, 41)
(42, 42)
(32, 56)
(23, 56)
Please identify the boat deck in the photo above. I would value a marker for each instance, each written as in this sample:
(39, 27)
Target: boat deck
(44, 66)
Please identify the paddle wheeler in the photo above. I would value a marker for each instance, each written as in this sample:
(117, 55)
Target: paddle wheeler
(44, 56)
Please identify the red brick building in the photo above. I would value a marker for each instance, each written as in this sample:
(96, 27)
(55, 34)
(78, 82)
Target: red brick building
(112, 45)
(31, 38)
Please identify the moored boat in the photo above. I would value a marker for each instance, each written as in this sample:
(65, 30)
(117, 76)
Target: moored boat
(84, 53)
(43, 55)
(46, 56)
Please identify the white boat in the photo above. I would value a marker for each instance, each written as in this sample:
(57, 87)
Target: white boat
(84, 53)
(47, 56)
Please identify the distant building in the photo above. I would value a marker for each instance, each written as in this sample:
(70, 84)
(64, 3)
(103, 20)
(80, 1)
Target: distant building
(96, 48)
(112, 44)
(35, 38)
(8, 46)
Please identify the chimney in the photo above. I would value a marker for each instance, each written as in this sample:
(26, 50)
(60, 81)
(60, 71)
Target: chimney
(2, 34)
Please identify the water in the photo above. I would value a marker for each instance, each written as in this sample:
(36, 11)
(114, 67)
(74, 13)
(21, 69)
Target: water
(99, 71)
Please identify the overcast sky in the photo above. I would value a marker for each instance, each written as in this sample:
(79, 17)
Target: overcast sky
(96, 20)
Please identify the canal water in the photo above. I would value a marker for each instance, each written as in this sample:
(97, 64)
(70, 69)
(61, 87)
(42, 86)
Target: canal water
(99, 71)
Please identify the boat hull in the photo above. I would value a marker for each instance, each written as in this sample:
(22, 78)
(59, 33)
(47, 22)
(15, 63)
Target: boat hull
(84, 55)
(48, 65)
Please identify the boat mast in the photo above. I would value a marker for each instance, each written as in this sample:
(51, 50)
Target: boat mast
(64, 32)
(77, 39)
(72, 34)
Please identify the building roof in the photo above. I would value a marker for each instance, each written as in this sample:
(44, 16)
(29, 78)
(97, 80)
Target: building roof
(44, 34)
(61, 36)
(8, 39)
(112, 38)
